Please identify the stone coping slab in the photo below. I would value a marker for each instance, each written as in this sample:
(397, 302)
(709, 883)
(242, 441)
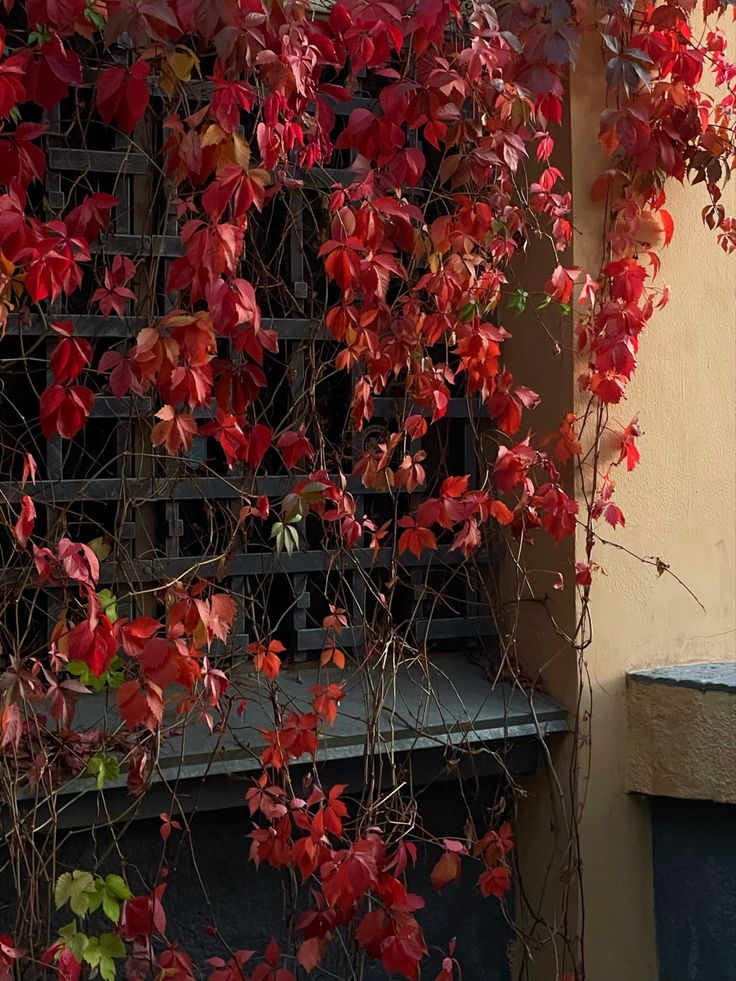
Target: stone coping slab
(703, 675)
(682, 731)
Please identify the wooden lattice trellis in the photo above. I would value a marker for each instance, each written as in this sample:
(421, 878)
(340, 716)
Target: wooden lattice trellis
(167, 520)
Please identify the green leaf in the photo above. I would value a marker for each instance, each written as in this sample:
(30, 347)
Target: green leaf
(467, 312)
(109, 604)
(292, 507)
(286, 535)
(93, 15)
(313, 491)
(101, 951)
(74, 940)
(518, 301)
(104, 768)
(76, 888)
(112, 890)
(100, 547)
(117, 886)
(112, 678)
(40, 36)
(95, 900)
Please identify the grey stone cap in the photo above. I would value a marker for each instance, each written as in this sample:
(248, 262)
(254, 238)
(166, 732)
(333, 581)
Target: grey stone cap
(702, 675)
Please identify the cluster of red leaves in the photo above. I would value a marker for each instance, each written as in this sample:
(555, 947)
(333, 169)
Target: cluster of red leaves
(449, 271)
(308, 836)
(491, 849)
(665, 127)
(375, 236)
(65, 406)
(359, 880)
(159, 656)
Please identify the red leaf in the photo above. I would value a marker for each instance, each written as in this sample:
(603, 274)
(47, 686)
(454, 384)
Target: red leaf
(629, 450)
(143, 916)
(69, 358)
(495, 882)
(561, 283)
(50, 70)
(611, 513)
(135, 633)
(78, 561)
(416, 426)
(295, 447)
(29, 470)
(24, 525)
(501, 513)
(415, 538)
(167, 824)
(114, 293)
(140, 705)
(11, 726)
(668, 225)
(175, 431)
(66, 964)
(402, 950)
(8, 954)
(510, 467)
(159, 661)
(65, 409)
(91, 217)
(448, 869)
(96, 647)
(122, 377)
(122, 94)
(266, 659)
(584, 573)
(559, 512)
(310, 953)
(12, 89)
(62, 699)
(454, 486)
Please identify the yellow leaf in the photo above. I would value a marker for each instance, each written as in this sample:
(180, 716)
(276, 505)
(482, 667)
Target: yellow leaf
(213, 135)
(241, 151)
(100, 547)
(177, 67)
(260, 175)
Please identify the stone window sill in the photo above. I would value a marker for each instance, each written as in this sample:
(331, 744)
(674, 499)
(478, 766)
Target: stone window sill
(437, 716)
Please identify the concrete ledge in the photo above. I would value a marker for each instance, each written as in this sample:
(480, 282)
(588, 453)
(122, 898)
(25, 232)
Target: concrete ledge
(440, 716)
(682, 731)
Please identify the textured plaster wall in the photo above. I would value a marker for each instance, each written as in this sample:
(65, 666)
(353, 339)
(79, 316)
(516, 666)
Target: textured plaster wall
(680, 505)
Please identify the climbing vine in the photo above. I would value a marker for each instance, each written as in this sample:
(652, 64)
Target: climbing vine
(414, 145)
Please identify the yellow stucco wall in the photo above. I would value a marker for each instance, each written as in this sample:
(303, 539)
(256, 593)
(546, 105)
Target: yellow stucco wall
(680, 505)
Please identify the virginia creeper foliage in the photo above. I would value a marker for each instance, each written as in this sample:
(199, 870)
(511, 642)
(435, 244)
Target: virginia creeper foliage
(449, 174)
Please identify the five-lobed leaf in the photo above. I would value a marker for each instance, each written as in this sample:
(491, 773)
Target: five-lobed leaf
(77, 888)
(113, 891)
(104, 768)
(101, 952)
